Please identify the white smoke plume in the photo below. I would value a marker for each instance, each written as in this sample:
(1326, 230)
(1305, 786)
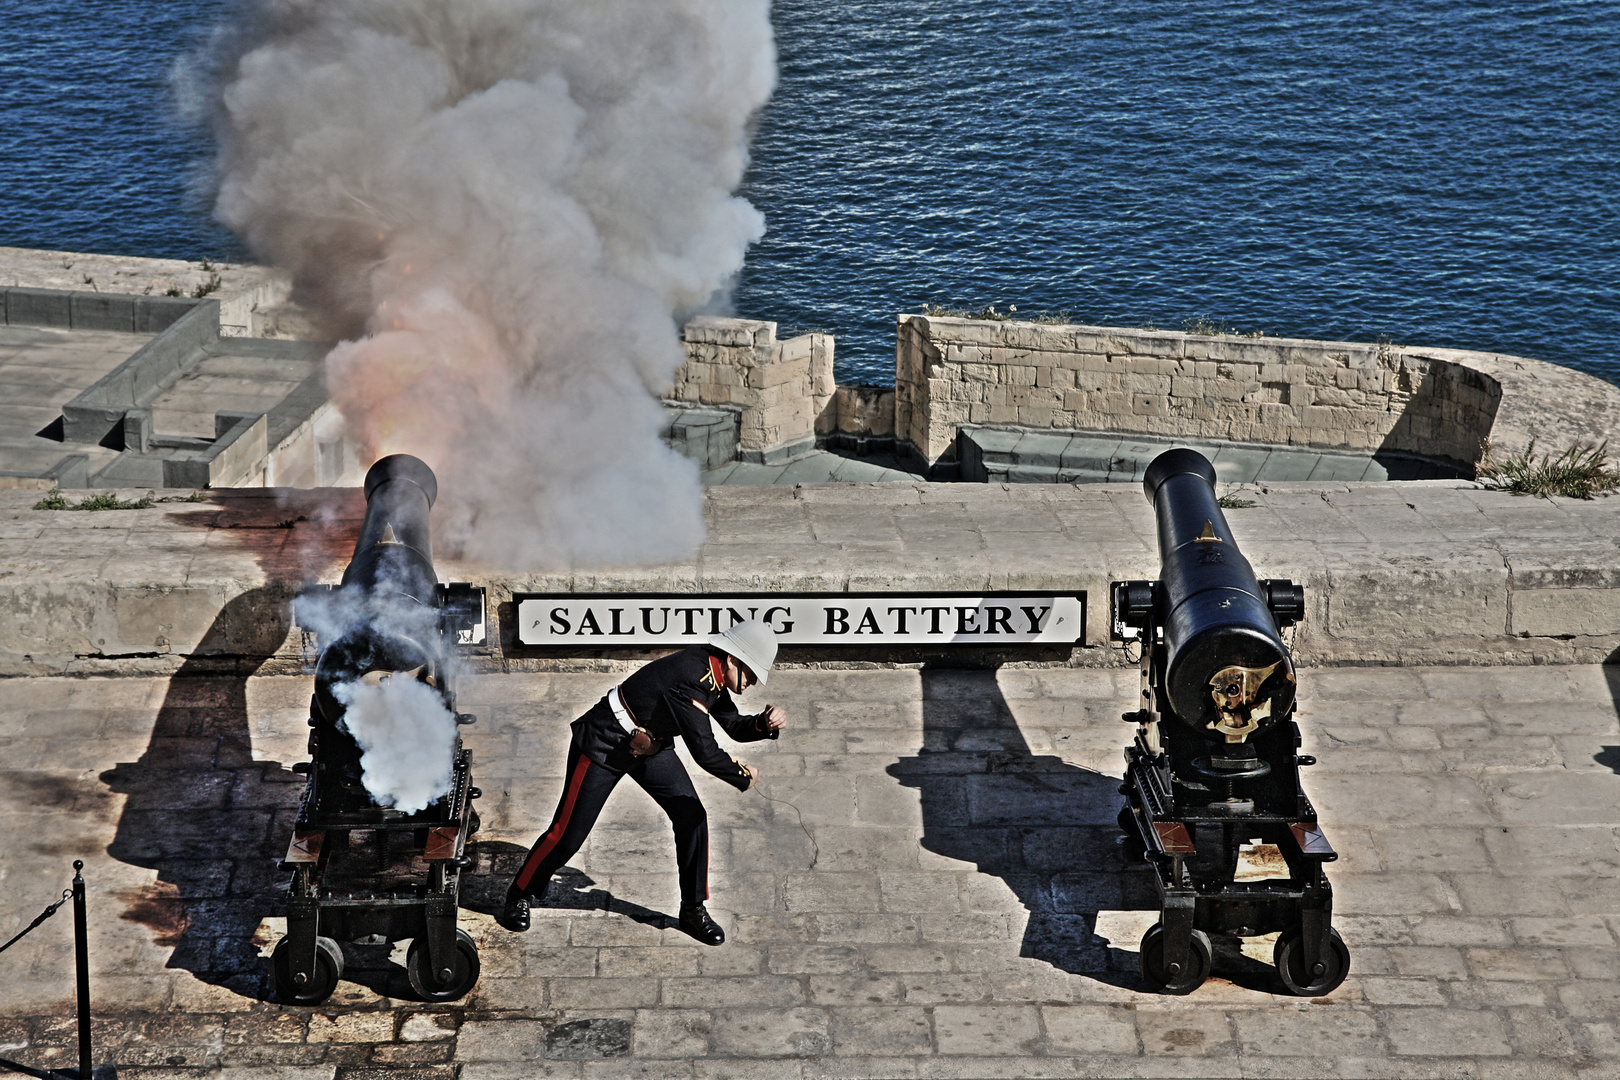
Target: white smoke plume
(406, 737)
(504, 205)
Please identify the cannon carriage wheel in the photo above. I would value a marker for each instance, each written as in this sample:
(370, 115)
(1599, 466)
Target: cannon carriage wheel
(1289, 956)
(1155, 969)
(451, 983)
(324, 980)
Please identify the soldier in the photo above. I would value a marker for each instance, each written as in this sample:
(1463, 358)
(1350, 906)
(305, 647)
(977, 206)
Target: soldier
(632, 732)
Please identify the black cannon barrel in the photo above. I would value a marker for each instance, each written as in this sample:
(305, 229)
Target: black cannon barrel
(395, 550)
(389, 591)
(1213, 610)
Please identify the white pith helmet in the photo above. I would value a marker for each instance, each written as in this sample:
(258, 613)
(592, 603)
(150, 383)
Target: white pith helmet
(752, 643)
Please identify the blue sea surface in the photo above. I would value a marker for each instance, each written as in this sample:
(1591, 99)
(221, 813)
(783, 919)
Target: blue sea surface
(1427, 171)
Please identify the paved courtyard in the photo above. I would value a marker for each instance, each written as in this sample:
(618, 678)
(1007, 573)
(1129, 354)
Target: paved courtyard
(928, 885)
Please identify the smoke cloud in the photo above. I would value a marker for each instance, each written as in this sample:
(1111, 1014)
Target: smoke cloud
(504, 206)
(406, 737)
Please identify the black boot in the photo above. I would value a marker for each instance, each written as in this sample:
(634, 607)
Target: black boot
(695, 921)
(514, 914)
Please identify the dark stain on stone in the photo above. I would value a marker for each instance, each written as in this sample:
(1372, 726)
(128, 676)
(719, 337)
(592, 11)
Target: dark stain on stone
(598, 1037)
(158, 907)
(53, 791)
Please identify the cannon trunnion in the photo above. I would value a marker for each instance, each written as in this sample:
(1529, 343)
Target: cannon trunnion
(1215, 762)
(363, 869)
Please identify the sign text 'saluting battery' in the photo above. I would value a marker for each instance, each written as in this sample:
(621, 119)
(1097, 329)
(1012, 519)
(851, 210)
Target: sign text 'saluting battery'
(1010, 618)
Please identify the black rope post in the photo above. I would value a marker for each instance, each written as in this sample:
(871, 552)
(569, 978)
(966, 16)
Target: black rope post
(81, 958)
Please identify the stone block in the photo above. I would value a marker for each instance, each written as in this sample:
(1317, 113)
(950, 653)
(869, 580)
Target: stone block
(1144, 343)
(1136, 382)
(39, 307)
(501, 1040)
(771, 1033)
(716, 330)
(1038, 416)
(760, 991)
(1089, 1029)
(671, 1033)
(881, 1031)
(155, 314)
(1429, 1032)
(1347, 1032)
(1554, 612)
(987, 1030)
(102, 311)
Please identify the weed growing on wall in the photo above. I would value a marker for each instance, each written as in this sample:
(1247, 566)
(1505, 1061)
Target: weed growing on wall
(55, 500)
(990, 313)
(1580, 472)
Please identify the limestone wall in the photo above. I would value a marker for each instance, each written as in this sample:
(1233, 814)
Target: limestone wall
(778, 387)
(858, 409)
(247, 294)
(1319, 394)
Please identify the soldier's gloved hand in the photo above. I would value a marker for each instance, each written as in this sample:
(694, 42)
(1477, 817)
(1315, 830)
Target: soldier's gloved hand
(641, 743)
(775, 717)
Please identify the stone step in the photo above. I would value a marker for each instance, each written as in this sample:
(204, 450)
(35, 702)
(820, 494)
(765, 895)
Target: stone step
(1022, 456)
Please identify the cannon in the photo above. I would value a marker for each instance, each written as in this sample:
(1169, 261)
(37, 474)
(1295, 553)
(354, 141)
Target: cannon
(365, 867)
(1213, 799)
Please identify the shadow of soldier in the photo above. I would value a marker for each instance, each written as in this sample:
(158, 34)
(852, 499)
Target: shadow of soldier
(1045, 827)
(496, 862)
(202, 813)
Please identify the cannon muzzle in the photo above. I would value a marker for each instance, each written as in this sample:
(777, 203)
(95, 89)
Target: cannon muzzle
(388, 600)
(1226, 667)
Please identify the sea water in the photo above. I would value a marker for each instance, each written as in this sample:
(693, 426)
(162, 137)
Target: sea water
(1423, 171)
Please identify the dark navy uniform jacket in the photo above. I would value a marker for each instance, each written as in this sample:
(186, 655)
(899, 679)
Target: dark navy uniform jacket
(683, 695)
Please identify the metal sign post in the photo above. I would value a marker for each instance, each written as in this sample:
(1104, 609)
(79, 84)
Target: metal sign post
(81, 961)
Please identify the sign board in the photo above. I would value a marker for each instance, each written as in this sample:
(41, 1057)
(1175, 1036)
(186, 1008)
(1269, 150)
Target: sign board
(857, 619)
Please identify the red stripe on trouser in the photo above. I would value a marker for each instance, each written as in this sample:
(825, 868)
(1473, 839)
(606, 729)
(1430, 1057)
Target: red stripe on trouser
(558, 827)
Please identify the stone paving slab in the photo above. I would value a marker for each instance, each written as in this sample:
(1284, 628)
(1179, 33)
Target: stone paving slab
(935, 892)
(1408, 573)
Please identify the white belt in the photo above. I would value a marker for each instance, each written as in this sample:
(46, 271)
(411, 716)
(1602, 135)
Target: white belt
(620, 713)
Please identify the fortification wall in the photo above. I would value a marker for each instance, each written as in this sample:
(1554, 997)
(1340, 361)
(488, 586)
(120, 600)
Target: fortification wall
(778, 387)
(1442, 404)
(1320, 394)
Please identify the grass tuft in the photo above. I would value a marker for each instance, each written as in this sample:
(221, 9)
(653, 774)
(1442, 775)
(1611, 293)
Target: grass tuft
(991, 313)
(1580, 472)
(55, 500)
(1234, 502)
(1208, 327)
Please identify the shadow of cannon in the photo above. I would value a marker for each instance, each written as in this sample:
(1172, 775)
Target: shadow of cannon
(1046, 828)
(201, 813)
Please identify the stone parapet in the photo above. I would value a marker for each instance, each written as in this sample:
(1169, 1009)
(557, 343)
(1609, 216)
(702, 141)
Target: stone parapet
(1320, 394)
(859, 409)
(247, 294)
(1429, 572)
(778, 387)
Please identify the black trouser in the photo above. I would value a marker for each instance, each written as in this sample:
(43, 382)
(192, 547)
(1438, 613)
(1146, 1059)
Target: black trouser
(586, 788)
